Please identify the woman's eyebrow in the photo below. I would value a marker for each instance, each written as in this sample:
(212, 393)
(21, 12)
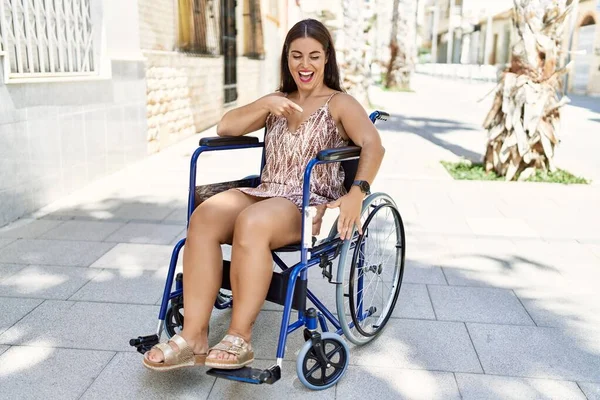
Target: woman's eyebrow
(298, 51)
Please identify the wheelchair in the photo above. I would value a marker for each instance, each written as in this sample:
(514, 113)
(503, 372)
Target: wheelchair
(373, 260)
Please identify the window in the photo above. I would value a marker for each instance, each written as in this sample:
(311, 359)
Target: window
(253, 35)
(199, 26)
(47, 38)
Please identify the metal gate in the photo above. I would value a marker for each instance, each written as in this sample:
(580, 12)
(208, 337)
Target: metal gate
(229, 49)
(583, 62)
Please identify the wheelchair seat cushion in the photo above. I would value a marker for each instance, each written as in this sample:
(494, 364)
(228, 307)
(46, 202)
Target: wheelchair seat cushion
(287, 154)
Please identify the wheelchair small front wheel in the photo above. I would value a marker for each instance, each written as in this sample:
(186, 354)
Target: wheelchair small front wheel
(318, 372)
(174, 319)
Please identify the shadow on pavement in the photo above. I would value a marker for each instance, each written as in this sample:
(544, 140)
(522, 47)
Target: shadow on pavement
(433, 130)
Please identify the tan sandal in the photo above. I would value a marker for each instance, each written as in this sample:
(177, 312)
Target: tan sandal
(175, 359)
(232, 345)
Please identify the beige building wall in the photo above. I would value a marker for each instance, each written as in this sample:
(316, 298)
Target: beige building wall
(588, 9)
(184, 90)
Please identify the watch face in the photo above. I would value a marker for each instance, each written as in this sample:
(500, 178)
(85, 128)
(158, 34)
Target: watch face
(364, 186)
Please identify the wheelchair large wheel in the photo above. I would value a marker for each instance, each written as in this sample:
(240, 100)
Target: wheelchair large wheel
(370, 271)
(314, 373)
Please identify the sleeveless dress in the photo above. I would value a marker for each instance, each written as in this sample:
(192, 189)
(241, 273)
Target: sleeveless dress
(287, 154)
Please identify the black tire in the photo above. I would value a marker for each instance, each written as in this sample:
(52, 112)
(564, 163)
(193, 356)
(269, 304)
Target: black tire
(384, 268)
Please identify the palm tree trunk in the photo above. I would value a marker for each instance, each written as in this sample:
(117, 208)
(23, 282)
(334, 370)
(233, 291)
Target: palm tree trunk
(523, 123)
(402, 45)
(354, 68)
(393, 46)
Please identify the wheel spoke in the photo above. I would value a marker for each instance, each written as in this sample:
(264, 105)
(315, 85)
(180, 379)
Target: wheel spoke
(313, 369)
(323, 374)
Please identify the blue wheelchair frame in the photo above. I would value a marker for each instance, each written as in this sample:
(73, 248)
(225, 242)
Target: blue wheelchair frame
(322, 253)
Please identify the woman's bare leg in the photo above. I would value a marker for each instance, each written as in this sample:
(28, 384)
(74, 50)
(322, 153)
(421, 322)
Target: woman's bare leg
(261, 227)
(211, 225)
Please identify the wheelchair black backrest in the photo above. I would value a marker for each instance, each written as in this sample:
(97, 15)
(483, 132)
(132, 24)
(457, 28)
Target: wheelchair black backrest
(350, 168)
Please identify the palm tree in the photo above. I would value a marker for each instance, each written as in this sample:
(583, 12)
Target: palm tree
(354, 67)
(523, 123)
(402, 45)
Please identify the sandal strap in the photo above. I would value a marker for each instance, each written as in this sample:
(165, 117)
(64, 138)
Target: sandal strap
(167, 351)
(236, 345)
(172, 357)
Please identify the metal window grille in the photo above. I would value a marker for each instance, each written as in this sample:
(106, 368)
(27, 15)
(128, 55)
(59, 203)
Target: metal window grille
(199, 26)
(47, 37)
(253, 35)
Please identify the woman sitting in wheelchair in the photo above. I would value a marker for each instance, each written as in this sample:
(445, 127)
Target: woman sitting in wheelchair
(310, 112)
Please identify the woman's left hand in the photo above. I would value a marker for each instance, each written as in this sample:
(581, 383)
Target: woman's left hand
(350, 206)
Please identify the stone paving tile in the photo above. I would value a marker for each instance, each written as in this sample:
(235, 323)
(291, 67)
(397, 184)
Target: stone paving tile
(124, 286)
(126, 378)
(594, 248)
(48, 373)
(7, 270)
(143, 212)
(5, 242)
(583, 276)
(417, 272)
(177, 217)
(289, 386)
(508, 227)
(27, 229)
(503, 271)
(566, 307)
(480, 387)
(145, 233)
(487, 305)
(53, 252)
(137, 256)
(46, 282)
(453, 225)
(536, 352)
(591, 390)
(80, 325)
(83, 230)
(558, 255)
(415, 344)
(413, 302)
(388, 383)
(181, 235)
(13, 309)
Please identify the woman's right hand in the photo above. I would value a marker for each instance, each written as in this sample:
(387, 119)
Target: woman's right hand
(281, 106)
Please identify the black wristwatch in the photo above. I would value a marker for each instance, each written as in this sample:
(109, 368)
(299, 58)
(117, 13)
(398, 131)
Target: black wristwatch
(363, 185)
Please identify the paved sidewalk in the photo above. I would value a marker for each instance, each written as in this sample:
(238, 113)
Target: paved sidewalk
(499, 297)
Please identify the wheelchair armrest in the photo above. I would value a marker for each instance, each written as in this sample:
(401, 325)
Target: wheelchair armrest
(215, 141)
(339, 153)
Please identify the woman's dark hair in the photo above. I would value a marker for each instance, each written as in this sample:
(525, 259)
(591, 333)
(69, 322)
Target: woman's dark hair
(316, 30)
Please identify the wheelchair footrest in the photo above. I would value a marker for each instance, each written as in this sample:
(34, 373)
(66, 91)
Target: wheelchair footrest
(249, 375)
(144, 343)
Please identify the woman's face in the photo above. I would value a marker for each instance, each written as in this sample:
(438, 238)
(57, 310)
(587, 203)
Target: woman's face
(306, 61)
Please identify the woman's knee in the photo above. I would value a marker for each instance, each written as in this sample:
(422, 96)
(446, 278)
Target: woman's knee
(208, 220)
(251, 230)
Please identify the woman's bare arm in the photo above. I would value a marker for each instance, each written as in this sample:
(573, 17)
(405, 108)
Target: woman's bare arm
(363, 133)
(252, 117)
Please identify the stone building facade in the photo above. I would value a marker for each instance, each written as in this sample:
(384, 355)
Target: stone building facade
(76, 108)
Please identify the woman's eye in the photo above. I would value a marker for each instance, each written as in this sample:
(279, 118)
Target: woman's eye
(314, 58)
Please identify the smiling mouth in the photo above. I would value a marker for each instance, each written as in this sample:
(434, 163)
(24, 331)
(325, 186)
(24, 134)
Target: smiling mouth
(306, 77)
